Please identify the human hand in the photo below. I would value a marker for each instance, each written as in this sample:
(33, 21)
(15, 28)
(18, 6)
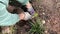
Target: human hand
(28, 16)
(25, 16)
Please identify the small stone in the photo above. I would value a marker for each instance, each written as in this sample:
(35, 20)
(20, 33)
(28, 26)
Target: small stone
(46, 31)
(43, 21)
(43, 13)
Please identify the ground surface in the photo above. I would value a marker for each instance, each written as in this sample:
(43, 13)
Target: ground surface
(49, 11)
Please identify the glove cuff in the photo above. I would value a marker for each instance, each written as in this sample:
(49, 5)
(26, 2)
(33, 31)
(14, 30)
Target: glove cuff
(31, 11)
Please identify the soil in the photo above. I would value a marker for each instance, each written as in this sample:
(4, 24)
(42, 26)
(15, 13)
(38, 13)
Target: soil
(49, 11)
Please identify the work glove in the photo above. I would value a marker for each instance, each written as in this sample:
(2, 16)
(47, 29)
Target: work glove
(30, 14)
(27, 16)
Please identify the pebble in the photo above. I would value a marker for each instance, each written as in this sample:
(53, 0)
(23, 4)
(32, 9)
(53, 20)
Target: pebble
(46, 31)
(43, 21)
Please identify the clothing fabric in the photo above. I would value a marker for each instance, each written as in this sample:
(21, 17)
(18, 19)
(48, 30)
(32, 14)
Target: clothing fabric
(23, 2)
(6, 18)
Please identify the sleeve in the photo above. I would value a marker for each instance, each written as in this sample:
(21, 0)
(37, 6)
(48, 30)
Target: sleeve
(23, 2)
(5, 2)
(6, 18)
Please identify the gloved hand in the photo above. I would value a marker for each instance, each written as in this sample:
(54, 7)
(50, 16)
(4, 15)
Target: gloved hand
(27, 16)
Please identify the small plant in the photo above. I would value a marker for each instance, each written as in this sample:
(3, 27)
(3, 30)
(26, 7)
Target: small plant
(36, 27)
